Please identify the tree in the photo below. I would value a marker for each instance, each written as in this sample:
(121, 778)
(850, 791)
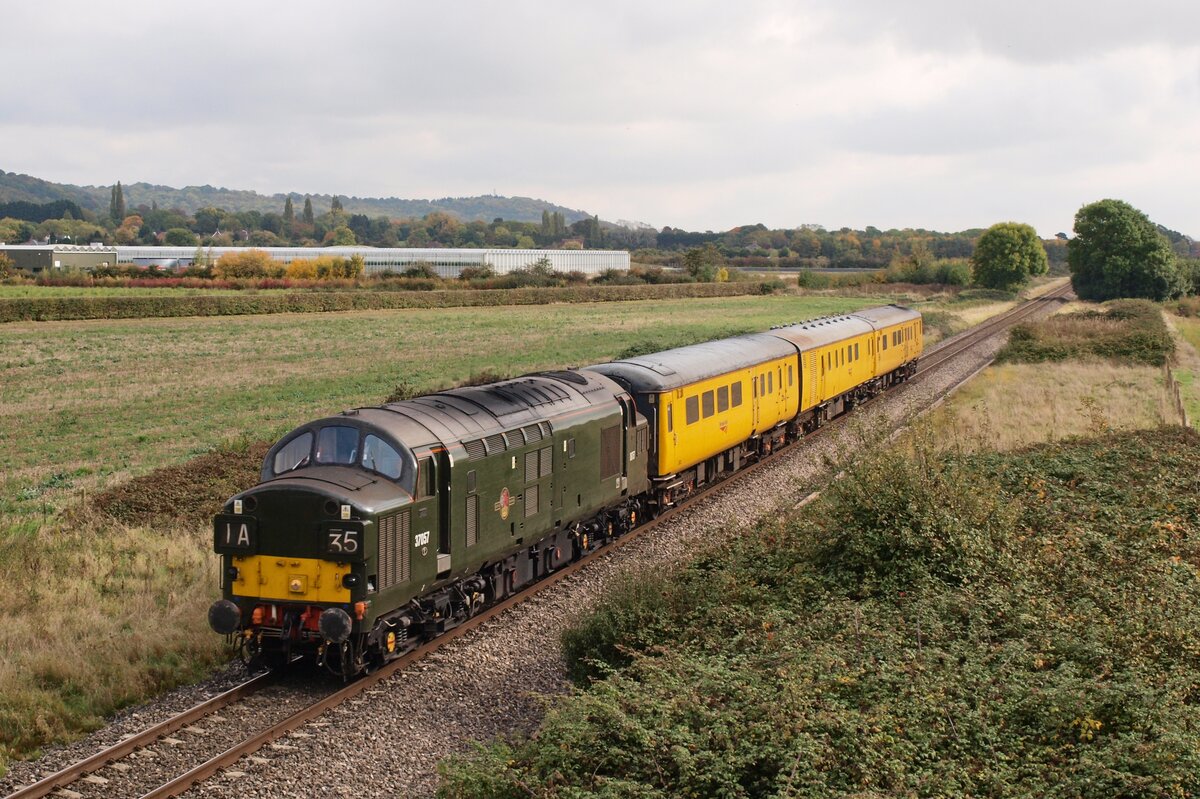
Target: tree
(703, 263)
(308, 212)
(289, 212)
(340, 236)
(1118, 252)
(208, 220)
(335, 205)
(180, 237)
(246, 263)
(116, 204)
(1007, 255)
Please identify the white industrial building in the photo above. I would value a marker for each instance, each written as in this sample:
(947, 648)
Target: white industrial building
(446, 262)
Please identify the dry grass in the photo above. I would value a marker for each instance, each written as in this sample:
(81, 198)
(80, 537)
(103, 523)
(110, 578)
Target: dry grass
(1015, 405)
(97, 616)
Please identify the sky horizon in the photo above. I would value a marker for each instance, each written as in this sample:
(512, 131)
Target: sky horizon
(701, 116)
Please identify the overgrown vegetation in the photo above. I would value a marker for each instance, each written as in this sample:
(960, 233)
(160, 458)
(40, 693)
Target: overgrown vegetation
(1127, 330)
(1004, 625)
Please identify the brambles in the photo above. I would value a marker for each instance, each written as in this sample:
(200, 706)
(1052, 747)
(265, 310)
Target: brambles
(1126, 330)
(1004, 626)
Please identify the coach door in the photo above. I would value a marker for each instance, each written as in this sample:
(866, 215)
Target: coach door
(810, 381)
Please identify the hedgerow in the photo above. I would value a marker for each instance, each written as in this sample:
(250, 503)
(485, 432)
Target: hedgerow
(60, 308)
(1007, 626)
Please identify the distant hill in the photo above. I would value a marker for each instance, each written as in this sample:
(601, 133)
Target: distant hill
(16, 187)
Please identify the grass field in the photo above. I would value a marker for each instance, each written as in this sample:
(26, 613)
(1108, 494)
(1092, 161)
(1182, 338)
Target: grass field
(1187, 369)
(89, 402)
(100, 614)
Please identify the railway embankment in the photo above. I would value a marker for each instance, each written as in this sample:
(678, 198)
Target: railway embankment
(991, 624)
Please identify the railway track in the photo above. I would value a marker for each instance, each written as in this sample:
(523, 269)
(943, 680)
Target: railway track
(952, 347)
(207, 768)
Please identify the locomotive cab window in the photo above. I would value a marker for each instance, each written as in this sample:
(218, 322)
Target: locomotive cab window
(295, 454)
(337, 444)
(380, 456)
(426, 483)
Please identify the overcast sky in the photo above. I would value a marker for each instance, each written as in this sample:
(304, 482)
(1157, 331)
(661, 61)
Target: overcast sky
(940, 114)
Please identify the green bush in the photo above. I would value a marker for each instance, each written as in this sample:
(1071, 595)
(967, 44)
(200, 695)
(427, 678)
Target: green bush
(1006, 626)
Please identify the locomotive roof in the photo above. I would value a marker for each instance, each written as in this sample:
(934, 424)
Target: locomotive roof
(460, 414)
(831, 329)
(663, 371)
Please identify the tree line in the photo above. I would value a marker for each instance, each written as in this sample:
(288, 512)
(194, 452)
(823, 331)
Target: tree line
(1159, 263)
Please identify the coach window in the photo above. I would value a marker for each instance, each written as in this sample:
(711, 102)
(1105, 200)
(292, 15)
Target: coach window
(770, 382)
(707, 401)
(722, 399)
(791, 380)
(856, 350)
(692, 406)
(737, 393)
(670, 418)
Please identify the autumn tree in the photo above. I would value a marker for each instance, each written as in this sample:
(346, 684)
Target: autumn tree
(246, 263)
(1118, 252)
(1007, 255)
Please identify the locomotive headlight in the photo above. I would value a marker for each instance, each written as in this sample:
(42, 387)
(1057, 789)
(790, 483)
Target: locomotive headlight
(350, 580)
(232, 574)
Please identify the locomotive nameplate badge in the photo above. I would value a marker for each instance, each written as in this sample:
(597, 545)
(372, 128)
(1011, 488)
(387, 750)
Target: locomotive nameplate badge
(502, 505)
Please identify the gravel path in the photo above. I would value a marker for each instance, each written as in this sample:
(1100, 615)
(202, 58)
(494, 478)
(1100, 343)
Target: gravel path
(493, 681)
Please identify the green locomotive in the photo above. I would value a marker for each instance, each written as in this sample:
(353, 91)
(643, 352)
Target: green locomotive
(379, 528)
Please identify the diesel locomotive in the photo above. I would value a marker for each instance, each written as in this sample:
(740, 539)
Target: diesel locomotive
(378, 528)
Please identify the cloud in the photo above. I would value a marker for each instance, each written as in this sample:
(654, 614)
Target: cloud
(699, 114)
